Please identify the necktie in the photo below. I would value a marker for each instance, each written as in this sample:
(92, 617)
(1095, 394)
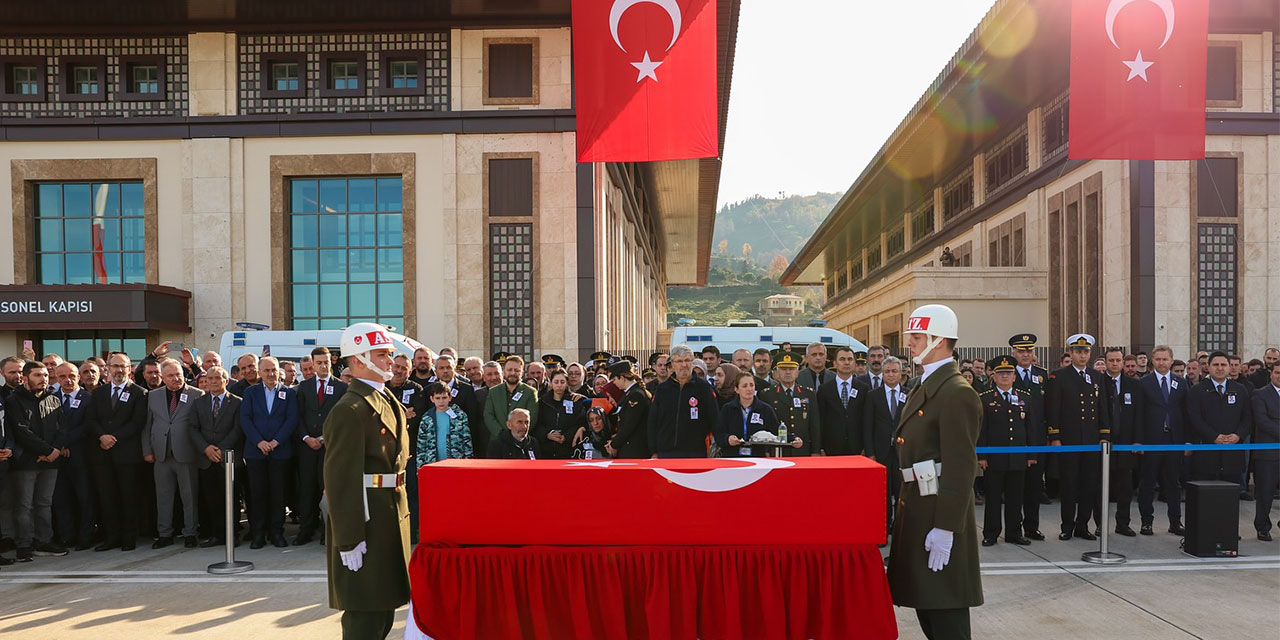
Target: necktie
(320, 392)
(173, 402)
(1007, 398)
(844, 393)
(66, 400)
(1220, 389)
(1164, 388)
(875, 382)
(115, 396)
(217, 404)
(1084, 376)
(893, 403)
(1026, 376)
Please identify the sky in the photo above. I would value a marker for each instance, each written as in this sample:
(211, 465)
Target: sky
(819, 85)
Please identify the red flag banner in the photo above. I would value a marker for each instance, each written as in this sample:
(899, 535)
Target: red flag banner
(645, 79)
(1138, 79)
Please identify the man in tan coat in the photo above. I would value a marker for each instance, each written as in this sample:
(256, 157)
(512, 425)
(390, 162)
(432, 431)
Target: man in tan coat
(367, 532)
(933, 561)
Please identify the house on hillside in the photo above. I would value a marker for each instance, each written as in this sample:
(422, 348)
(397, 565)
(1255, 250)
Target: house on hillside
(781, 310)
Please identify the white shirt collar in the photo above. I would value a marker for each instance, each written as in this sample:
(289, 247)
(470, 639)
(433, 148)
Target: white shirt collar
(891, 390)
(843, 380)
(1276, 388)
(933, 366)
(377, 385)
(1081, 371)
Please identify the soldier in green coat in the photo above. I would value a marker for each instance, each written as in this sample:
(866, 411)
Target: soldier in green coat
(511, 394)
(933, 559)
(367, 531)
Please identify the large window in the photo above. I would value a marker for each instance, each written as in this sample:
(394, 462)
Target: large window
(511, 288)
(90, 233)
(1006, 162)
(1216, 291)
(346, 252)
(77, 346)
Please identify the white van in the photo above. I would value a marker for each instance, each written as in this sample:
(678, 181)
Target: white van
(730, 339)
(292, 345)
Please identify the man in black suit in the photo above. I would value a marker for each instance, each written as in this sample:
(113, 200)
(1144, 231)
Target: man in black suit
(73, 496)
(315, 398)
(815, 373)
(880, 419)
(1164, 398)
(1077, 415)
(1124, 402)
(218, 430)
(1031, 378)
(1266, 464)
(117, 413)
(1262, 377)
(841, 407)
(1219, 412)
(248, 364)
(874, 377)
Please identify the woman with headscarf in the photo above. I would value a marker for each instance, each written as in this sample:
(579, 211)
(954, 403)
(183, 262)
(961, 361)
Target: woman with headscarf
(589, 443)
(723, 383)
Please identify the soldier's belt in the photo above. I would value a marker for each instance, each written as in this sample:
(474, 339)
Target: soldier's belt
(384, 480)
(909, 474)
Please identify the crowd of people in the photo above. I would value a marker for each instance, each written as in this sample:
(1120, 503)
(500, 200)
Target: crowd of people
(95, 455)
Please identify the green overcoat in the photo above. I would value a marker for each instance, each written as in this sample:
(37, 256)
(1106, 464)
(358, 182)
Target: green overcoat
(500, 403)
(940, 422)
(366, 433)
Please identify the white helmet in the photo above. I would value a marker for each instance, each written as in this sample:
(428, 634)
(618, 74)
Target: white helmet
(934, 320)
(361, 338)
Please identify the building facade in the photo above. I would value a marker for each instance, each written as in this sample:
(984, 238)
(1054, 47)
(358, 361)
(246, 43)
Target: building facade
(782, 310)
(175, 168)
(973, 202)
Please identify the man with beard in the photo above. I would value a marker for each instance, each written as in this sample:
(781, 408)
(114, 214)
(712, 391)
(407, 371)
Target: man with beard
(117, 413)
(511, 394)
(34, 416)
(424, 363)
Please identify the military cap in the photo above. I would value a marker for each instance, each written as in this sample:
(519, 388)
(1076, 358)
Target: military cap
(601, 356)
(787, 360)
(1023, 341)
(648, 371)
(553, 360)
(1003, 364)
(631, 359)
(621, 367)
(860, 357)
(1080, 341)
(500, 356)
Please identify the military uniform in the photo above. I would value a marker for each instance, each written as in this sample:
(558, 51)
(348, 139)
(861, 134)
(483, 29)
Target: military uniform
(940, 422)
(1076, 414)
(1032, 380)
(1009, 419)
(797, 408)
(364, 471)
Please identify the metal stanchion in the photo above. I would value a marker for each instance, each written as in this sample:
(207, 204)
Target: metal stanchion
(230, 565)
(1103, 555)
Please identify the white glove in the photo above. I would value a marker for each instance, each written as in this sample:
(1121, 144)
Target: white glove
(354, 559)
(938, 544)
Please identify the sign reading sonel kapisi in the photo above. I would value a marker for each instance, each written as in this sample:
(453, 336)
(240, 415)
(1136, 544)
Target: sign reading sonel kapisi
(110, 306)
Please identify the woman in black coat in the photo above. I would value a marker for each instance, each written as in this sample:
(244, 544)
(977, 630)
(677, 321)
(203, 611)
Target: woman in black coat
(632, 438)
(743, 416)
(559, 417)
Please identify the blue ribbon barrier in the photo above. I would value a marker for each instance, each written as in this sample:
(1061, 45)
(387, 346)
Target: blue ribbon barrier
(1095, 448)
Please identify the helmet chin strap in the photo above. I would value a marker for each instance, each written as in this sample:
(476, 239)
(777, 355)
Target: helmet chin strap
(364, 359)
(923, 354)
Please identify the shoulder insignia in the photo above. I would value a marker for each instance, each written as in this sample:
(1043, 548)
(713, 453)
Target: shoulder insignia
(633, 403)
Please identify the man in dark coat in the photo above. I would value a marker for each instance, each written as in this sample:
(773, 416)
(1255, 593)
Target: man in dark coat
(933, 559)
(117, 413)
(269, 419)
(1163, 422)
(73, 501)
(34, 415)
(1266, 464)
(1031, 378)
(840, 408)
(1219, 412)
(367, 531)
(1009, 419)
(514, 442)
(632, 438)
(1077, 415)
(1123, 396)
(684, 411)
(316, 397)
(217, 430)
(796, 406)
(882, 412)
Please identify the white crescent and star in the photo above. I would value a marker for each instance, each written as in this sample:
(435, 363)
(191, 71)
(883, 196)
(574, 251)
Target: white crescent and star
(710, 481)
(646, 67)
(1138, 66)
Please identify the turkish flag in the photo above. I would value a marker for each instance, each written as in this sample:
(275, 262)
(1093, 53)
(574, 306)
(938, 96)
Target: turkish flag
(645, 79)
(1138, 79)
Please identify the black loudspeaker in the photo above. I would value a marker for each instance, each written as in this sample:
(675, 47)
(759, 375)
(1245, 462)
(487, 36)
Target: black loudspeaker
(1213, 519)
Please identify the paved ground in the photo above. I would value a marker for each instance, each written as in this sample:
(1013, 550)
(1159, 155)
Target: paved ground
(1043, 591)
